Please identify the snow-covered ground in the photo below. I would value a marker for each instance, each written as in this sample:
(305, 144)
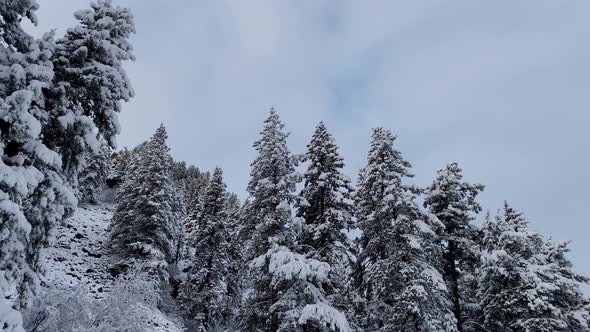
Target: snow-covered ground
(77, 258)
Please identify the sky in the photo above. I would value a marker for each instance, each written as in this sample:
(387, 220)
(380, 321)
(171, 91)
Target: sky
(501, 87)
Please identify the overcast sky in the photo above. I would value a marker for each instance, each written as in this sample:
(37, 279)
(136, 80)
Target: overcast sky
(502, 87)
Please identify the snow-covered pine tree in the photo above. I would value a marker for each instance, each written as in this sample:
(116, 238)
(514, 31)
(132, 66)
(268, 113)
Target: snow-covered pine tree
(190, 221)
(268, 220)
(526, 281)
(181, 177)
(233, 209)
(325, 206)
(272, 184)
(203, 295)
(11, 15)
(53, 200)
(94, 174)
(453, 202)
(271, 189)
(143, 223)
(236, 268)
(293, 278)
(197, 183)
(33, 198)
(569, 298)
(326, 198)
(90, 82)
(404, 290)
(385, 169)
(117, 171)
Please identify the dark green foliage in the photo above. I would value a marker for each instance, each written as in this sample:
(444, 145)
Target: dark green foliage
(398, 276)
(144, 223)
(204, 293)
(94, 174)
(267, 215)
(454, 203)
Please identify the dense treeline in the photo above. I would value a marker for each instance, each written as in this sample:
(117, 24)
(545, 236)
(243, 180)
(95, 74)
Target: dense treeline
(287, 260)
(306, 251)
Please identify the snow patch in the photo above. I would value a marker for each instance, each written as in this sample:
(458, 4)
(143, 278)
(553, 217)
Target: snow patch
(325, 315)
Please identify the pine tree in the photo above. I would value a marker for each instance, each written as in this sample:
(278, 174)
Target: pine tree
(236, 270)
(196, 184)
(90, 82)
(204, 293)
(385, 170)
(526, 282)
(453, 202)
(35, 192)
(33, 198)
(143, 223)
(303, 286)
(398, 277)
(94, 174)
(268, 214)
(326, 199)
(272, 184)
(326, 211)
(117, 171)
(11, 15)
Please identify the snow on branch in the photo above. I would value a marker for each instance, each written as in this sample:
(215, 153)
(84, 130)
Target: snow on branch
(325, 315)
(284, 264)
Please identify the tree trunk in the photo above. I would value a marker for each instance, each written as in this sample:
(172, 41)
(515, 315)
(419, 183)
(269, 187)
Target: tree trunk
(453, 277)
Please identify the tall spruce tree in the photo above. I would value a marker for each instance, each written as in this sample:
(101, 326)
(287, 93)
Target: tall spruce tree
(53, 200)
(385, 170)
(289, 288)
(196, 188)
(204, 293)
(143, 224)
(33, 198)
(526, 281)
(453, 202)
(399, 278)
(236, 269)
(325, 205)
(325, 208)
(94, 174)
(271, 189)
(119, 161)
(272, 184)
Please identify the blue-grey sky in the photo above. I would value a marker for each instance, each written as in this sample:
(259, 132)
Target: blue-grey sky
(502, 87)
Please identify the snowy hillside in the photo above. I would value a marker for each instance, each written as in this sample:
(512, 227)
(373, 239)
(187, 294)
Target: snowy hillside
(94, 238)
(77, 277)
(78, 258)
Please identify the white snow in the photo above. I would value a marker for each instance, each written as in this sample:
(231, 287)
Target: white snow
(78, 260)
(287, 265)
(325, 315)
(10, 319)
(77, 257)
